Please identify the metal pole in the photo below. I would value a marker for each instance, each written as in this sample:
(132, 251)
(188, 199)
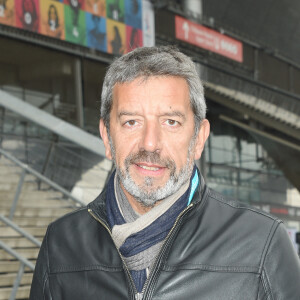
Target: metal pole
(78, 92)
(47, 159)
(291, 79)
(15, 254)
(17, 282)
(17, 195)
(2, 126)
(256, 65)
(20, 230)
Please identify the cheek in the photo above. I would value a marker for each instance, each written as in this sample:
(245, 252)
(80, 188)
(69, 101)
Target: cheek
(121, 152)
(178, 151)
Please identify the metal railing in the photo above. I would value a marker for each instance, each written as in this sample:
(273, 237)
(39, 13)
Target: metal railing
(18, 229)
(23, 263)
(61, 144)
(8, 221)
(27, 169)
(52, 123)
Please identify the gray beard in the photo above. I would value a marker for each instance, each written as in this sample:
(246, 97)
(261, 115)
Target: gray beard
(145, 193)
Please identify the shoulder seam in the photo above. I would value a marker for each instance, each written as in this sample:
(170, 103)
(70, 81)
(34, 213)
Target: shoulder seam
(268, 243)
(245, 208)
(46, 275)
(266, 285)
(68, 214)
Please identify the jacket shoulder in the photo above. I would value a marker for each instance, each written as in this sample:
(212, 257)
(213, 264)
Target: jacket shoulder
(224, 232)
(241, 207)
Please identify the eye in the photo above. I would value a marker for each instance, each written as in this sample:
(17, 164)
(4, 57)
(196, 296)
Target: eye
(130, 123)
(171, 122)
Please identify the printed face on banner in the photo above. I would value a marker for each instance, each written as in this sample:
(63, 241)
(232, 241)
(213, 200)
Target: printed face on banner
(115, 10)
(27, 14)
(7, 12)
(96, 7)
(75, 4)
(96, 32)
(133, 13)
(116, 37)
(134, 38)
(75, 27)
(52, 19)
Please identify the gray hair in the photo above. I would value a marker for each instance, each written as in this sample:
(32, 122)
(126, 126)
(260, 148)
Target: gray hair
(153, 61)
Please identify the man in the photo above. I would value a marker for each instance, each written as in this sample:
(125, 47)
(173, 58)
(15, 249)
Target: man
(157, 231)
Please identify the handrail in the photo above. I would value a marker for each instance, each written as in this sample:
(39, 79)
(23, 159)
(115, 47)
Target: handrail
(41, 177)
(17, 255)
(20, 230)
(52, 123)
(23, 262)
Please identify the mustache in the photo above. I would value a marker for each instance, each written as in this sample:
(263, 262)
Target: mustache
(150, 157)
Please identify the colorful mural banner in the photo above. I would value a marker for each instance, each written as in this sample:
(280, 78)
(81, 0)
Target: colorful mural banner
(7, 12)
(116, 42)
(28, 14)
(96, 32)
(75, 25)
(96, 7)
(52, 19)
(113, 26)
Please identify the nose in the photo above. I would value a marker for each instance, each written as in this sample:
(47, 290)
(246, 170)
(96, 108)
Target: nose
(151, 137)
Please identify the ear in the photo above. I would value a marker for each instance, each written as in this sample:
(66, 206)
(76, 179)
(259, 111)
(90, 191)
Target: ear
(104, 136)
(201, 138)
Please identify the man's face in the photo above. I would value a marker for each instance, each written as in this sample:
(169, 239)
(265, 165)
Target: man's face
(152, 138)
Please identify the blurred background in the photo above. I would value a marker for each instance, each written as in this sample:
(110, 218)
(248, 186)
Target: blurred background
(53, 57)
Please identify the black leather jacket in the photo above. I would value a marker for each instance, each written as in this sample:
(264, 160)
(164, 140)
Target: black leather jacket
(217, 250)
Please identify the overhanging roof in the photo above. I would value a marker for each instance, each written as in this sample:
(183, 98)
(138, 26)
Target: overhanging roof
(258, 109)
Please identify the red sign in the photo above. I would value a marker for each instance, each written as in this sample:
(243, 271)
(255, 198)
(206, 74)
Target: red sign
(279, 211)
(208, 39)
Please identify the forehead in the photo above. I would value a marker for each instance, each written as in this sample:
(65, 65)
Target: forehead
(154, 91)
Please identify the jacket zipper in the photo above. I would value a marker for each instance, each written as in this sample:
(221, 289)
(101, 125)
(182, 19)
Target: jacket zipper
(161, 252)
(140, 296)
(121, 256)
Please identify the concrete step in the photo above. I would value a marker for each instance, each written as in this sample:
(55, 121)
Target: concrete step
(29, 253)
(42, 203)
(6, 168)
(9, 279)
(30, 222)
(6, 231)
(36, 212)
(12, 266)
(15, 178)
(36, 194)
(22, 293)
(27, 186)
(10, 170)
(18, 242)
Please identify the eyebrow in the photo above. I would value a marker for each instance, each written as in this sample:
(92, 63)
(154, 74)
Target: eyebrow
(167, 114)
(127, 113)
(174, 113)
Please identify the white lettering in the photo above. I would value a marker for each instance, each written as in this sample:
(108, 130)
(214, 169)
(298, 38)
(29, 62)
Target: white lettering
(186, 29)
(229, 47)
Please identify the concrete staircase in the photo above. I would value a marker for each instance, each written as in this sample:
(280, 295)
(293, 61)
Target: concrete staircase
(36, 208)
